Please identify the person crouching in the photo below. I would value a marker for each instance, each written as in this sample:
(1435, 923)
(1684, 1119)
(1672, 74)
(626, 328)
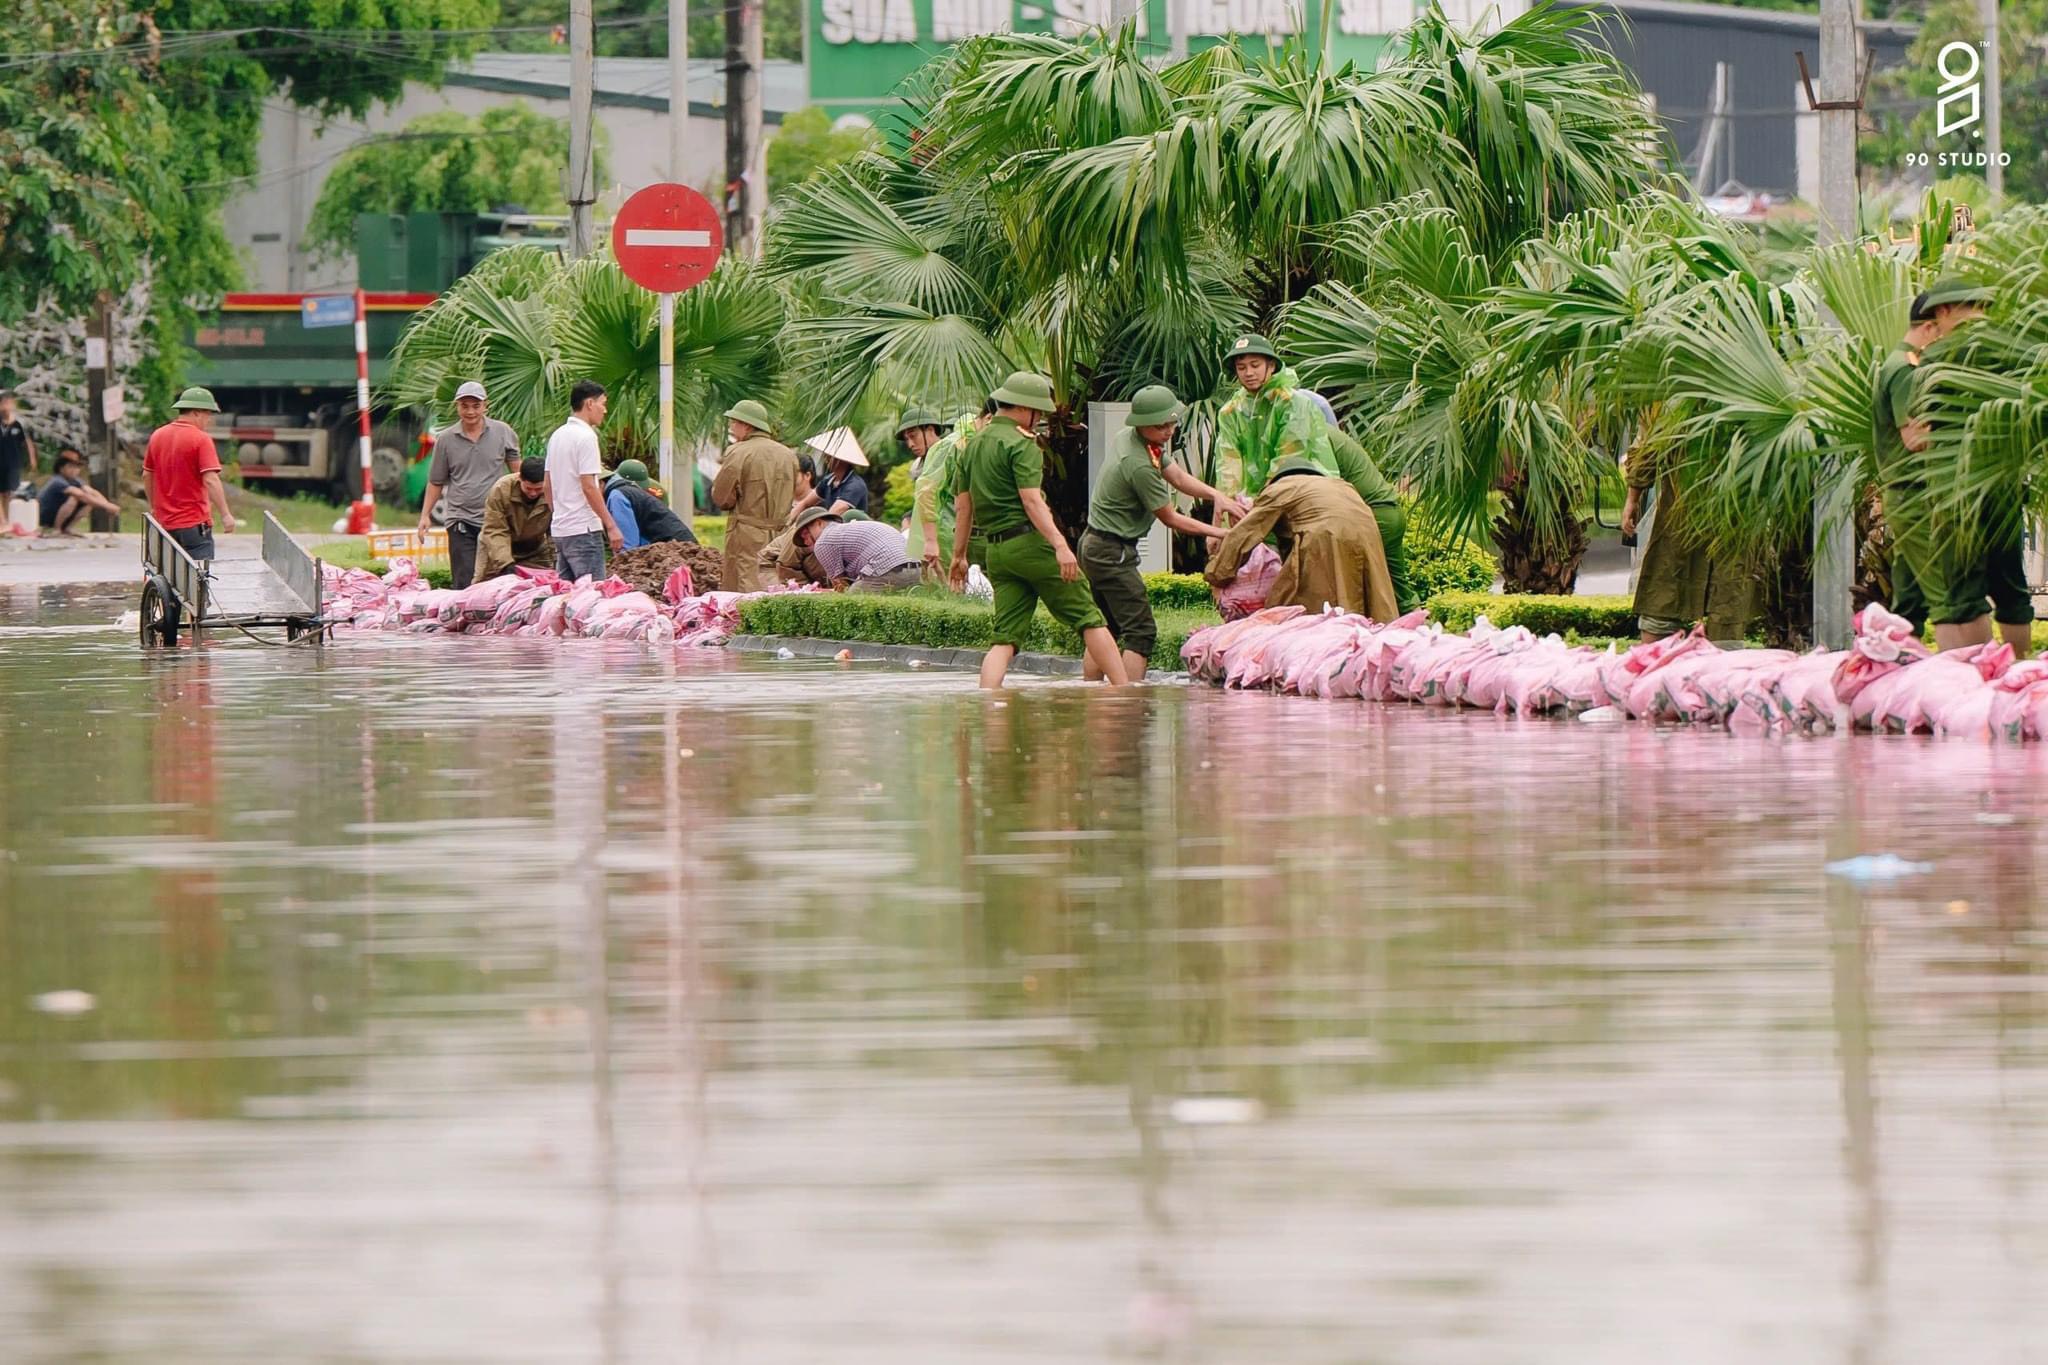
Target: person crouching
(860, 556)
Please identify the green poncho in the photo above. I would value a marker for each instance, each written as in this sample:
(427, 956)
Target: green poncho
(1254, 432)
(932, 494)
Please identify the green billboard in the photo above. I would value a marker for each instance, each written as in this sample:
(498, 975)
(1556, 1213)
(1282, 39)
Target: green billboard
(858, 51)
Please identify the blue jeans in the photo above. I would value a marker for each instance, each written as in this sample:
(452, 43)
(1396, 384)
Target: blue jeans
(578, 556)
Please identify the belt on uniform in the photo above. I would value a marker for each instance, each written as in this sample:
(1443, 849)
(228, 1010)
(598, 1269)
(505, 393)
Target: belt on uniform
(1128, 542)
(468, 528)
(998, 537)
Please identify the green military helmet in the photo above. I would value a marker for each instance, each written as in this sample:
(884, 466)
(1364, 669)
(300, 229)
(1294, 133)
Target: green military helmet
(1294, 464)
(914, 418)
(633, 472)
(1251, 343)
(1952, 289)
(196, 398)
(1154, 407)
(1026, 390)
(751, 412)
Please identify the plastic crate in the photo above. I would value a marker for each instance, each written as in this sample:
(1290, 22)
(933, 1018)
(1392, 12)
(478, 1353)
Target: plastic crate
(424, 548)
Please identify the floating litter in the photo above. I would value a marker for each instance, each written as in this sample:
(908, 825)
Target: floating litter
(1876, 867)
(844, 656)
(917, 663)
(1215, 1110)
(1601, 715)
(64, 1002)
(686, 753)
(785, 653)
(1993, 817)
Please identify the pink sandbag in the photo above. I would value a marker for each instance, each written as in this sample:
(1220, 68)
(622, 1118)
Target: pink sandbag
(1207, 650)
(1485, 683)
(1252, 661)
(1247, 593)
(1329, 676)
(1537, 677)
(678, 585)
(1916, 698)
(2019, 702)
(1367, 672)
(480, 601)
(1722, 684)
(1620, 673)
(401, 575)
(615, 614)
(552, 618)
(1306, 657)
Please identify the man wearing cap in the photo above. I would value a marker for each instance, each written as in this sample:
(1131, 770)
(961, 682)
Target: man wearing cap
(1271, 418)
(65, 496)
(642, 518)
(470, 458)
(842, 489)
(755, 486)
(515, 525)
(1130, 494)
(181, 475)
(1028, 560)
(856, 556)
(1329, 544)
(1943, 571)
(931, 447)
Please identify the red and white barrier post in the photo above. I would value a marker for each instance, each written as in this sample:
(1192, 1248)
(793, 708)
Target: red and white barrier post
(362, 516)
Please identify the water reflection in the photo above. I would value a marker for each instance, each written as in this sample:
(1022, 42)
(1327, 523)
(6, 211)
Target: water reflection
(478, 1000)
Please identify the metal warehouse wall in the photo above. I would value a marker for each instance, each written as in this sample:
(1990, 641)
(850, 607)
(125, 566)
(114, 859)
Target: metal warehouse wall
(1672, 48)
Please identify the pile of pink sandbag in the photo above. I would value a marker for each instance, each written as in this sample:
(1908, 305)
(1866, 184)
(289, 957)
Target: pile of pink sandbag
(1247, 592)
(1885, 681)
(534, 602)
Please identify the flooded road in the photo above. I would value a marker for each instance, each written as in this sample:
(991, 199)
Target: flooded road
(450, 1000)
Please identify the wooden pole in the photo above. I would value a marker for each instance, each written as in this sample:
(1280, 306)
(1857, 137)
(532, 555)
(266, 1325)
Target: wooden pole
(100, 437)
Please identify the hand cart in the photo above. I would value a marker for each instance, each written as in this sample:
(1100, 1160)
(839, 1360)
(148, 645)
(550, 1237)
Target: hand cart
(280, 589)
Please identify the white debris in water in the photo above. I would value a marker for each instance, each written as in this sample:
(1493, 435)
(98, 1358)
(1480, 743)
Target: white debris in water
(128, 620)
(1601, 715)
(64, 1002)
(1214, 1110)
(1876, 867)
(785, 653)
(1992, 817)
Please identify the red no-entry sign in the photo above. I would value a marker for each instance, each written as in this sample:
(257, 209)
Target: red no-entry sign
(667, 238)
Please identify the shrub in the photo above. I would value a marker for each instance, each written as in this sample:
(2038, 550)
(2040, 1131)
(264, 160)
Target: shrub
(1440, 562)
(933, 620)
(899, 490)
(1188, 591)
(1590, 617)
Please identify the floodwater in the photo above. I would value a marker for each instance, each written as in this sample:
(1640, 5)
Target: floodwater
(502, 1001)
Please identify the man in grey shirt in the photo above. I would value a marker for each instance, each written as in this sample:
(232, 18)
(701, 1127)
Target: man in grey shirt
(469, 459)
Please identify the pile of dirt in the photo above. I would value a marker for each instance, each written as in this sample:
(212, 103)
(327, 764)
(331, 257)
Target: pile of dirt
(648, 567)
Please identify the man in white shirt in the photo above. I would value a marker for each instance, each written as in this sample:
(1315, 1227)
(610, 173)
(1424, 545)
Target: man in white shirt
(582, 524)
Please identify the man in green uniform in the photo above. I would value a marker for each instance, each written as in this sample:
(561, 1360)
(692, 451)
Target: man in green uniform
(1679, 581)
(1269, 419)
(1942, 572)
(930, 532)
(1028, 559)
(1129, 496)
(1356, 468)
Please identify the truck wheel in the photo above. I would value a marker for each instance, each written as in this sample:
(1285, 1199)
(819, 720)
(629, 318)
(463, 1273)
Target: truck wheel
(387, 472)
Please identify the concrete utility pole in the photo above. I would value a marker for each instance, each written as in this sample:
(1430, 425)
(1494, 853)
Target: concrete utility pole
(100, 438)
(746, 167)
(1994, 132)
(1834, 542)
(1123, 11)
(678, 87)
(582, 168)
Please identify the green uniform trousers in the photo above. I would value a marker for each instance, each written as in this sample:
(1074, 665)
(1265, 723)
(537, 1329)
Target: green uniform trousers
(1935, 579)
(1119, 591)
(1393, 520)
(1024, 572)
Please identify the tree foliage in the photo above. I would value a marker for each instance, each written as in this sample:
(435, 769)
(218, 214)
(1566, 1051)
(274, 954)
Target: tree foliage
(506, 157)
(806, 145)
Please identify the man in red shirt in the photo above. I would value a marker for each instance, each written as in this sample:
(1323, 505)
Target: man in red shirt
(181, 472)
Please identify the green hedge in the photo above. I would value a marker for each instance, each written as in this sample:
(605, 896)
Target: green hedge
(1590, 617)
(1439, 562)
(1189, 591)
(936, 621)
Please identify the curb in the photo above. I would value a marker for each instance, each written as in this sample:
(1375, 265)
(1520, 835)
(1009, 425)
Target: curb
(867, 651)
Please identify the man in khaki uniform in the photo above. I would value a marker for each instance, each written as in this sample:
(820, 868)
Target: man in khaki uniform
(755, 486)
(1329, 544)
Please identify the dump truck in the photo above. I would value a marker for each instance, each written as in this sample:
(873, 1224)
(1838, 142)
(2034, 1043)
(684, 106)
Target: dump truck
(288, 392)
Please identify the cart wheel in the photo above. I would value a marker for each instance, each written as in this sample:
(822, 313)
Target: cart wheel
(159, 613)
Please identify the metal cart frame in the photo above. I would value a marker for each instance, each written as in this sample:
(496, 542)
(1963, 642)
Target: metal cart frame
(280, 589)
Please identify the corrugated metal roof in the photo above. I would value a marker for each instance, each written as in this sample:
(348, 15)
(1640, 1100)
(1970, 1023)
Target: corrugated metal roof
(1803, 21)
(629, 82)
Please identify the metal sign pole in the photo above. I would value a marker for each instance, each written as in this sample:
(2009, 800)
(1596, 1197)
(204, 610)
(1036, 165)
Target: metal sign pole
(680, 496)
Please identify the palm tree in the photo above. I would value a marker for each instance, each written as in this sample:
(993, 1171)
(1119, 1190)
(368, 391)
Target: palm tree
(529, 325)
